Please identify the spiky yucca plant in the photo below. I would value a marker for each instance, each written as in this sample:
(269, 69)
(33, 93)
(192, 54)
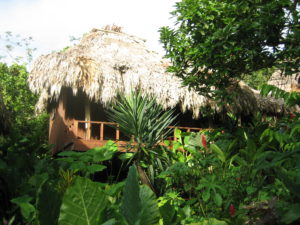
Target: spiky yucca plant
(141, 118)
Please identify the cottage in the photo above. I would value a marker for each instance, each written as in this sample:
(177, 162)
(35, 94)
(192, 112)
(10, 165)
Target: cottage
(77, 84)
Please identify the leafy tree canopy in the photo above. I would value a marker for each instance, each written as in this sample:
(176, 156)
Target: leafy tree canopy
(15, 54)
(214, 41)
(17, 97)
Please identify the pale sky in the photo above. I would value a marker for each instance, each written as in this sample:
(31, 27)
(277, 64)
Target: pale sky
(52, 22)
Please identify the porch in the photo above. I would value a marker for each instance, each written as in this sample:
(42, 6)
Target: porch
(90, 134)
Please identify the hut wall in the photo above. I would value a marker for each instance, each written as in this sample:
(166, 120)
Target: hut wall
(62, 115)
(73, 107)
(58, 128)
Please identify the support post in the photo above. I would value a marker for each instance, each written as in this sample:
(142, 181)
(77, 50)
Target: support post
(87, 110)
(101, 131)
(117, 133)
(76, 128)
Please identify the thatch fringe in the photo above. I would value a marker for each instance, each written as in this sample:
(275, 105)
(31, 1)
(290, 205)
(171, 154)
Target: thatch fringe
(248, 101)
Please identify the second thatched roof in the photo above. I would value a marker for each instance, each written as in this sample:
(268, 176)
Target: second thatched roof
(106, 63)
(285, 82)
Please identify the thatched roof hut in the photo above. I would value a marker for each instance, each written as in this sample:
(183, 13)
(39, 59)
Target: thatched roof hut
(106, 62)
(74, 85)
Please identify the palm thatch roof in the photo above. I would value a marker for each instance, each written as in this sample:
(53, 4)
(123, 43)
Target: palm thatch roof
(248, 101)
(285, 82)
(106, 63)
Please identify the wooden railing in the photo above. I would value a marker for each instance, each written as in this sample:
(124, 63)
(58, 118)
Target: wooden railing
(88, 128)
(87, 131)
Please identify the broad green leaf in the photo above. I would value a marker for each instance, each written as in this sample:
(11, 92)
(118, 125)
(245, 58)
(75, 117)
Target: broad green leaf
(292, 214)
(69, 153)
(84, 157)
(82, 203)
(212, 221)
(250, 190)
(114, 189)
(125, 156)
(38, 179)
(27, 209)
(78, 166)
(139, 205)
(177, 134)
(95, 168)
(206, 195)
(168, 213)
(167, 142)
(110, 222)
(295, 130)
(101, 154)
(48, 204)
(186, 139)
(175, 146)
(149, 213)
(131, 204)
(218, 199)
(200, 186)
(219, 152)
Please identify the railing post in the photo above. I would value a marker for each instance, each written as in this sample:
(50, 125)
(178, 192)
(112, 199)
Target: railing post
(76, 128)
(88, 132)
(117, 133)
(101, 131)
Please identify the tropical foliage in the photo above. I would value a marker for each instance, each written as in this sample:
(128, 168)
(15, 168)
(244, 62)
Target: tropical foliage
(246, 174)
(17, 97)
(23, 149)
(238, 176)
(216, 41)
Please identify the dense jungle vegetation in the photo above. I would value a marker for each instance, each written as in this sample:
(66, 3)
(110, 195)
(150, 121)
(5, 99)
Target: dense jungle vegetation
(236, 174)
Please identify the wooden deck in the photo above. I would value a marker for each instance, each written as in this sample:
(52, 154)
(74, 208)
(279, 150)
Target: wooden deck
(90, 134)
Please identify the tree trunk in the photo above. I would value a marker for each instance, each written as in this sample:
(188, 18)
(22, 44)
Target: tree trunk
(143, 176)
